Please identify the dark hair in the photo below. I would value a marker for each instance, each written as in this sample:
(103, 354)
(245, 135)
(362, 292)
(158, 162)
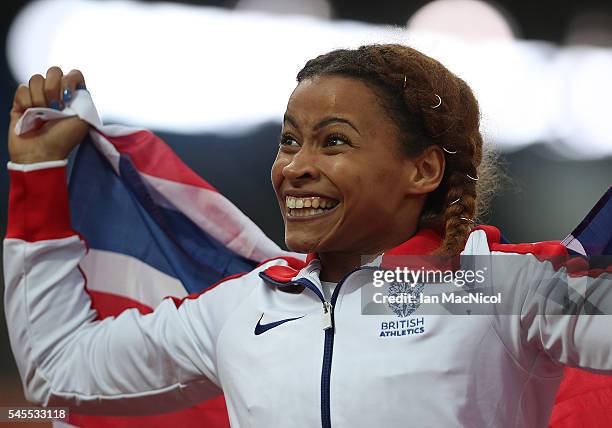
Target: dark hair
(407, 82)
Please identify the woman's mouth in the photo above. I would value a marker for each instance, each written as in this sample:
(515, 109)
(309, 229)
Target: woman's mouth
(309, 206)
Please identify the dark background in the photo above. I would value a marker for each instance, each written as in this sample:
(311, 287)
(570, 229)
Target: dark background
(545, 199)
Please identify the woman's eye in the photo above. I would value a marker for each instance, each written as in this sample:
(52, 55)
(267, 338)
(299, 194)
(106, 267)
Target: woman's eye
(337, 140)
(287, 140)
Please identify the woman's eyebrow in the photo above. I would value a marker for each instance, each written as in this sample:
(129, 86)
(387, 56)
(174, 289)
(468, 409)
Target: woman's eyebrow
(323, 123)
(334, 119)
(291, 120)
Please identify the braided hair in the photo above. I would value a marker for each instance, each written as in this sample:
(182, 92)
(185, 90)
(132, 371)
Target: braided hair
(429, 105)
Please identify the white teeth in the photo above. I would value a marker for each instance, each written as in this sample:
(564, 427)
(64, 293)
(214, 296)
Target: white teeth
(308, 206)
(305, 212)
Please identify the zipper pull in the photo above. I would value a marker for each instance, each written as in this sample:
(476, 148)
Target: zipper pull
(327, 316)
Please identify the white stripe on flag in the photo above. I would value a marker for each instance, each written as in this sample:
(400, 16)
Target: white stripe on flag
(216, 215)
(127, 276)
(209, 210)
(573, 244)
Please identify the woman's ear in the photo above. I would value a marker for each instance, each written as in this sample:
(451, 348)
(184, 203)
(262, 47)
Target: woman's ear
(426, 172)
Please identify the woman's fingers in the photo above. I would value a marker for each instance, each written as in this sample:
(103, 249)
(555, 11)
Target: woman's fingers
(53, 87)
(54, 139)
(37, 91)
(22, 100)
(71, 82)
(55, 90)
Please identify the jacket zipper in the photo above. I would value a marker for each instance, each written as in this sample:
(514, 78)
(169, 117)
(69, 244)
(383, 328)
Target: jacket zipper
(328, 347)
(328, 327)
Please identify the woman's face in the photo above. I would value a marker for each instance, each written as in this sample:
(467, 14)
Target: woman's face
(342, 181)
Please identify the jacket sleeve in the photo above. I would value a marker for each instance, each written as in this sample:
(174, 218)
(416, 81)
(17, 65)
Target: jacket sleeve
(567, 313)
(129, 364)
(553, 307)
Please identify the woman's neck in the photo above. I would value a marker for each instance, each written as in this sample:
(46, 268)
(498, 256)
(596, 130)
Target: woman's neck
(335, 265)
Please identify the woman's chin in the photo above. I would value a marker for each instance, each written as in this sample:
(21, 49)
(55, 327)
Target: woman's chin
(301, 244)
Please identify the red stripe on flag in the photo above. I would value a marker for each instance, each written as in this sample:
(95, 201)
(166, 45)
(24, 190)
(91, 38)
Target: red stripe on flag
(210, 414)
(110, 305)
(584, 400)
(152, 156)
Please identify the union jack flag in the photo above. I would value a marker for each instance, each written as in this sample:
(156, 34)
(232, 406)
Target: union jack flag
(154, 229)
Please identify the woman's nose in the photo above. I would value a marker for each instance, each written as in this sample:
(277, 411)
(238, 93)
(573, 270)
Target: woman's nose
(303, 166)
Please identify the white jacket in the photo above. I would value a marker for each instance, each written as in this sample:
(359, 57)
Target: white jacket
(265, 346)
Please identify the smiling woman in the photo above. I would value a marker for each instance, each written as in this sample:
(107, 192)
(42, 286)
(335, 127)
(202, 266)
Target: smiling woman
(337, 143)
(380, 156)
(392, 138)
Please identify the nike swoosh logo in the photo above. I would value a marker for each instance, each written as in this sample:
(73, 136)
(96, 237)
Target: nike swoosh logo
(262, 328)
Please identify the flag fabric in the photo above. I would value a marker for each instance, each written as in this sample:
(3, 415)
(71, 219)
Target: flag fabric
(154, 229)
(584, 399)
(593, 236)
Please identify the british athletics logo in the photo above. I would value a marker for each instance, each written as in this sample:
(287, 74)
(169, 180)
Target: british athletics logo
(403, 307)
(405, 327)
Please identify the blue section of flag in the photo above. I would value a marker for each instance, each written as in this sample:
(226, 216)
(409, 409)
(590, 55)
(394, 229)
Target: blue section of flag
(116, 213)
(595, 232)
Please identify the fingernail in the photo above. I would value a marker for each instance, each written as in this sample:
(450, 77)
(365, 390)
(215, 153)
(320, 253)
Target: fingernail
(67, 95)
(81, 86)
(54, 105)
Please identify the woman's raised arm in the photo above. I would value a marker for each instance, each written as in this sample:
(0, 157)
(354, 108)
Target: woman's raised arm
(129, 364)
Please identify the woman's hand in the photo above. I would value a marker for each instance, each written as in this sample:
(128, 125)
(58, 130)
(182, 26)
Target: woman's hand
(55, 139)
